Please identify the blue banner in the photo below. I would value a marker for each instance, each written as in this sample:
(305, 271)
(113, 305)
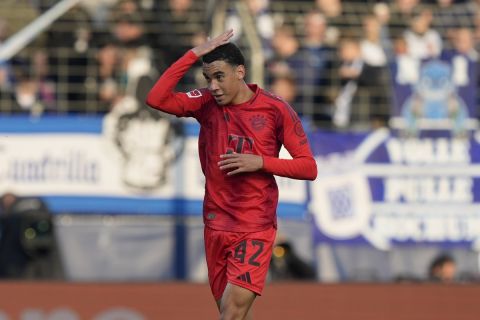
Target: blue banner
(384, 189)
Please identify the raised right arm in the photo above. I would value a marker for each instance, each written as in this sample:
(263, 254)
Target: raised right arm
(163, 97)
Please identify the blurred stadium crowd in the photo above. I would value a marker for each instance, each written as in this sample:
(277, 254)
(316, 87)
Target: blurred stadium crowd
(319, 55)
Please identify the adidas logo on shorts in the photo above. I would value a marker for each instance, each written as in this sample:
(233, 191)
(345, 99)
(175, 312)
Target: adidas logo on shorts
(245, 277)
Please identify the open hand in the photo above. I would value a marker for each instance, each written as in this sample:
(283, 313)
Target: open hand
(211, 44)
(240, 162)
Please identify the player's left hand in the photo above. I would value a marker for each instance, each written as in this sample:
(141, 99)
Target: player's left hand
(240, 162)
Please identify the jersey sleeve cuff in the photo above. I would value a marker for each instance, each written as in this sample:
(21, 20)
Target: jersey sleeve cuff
(266, 164)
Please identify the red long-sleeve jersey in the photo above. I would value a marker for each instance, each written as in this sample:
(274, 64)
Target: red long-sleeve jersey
(244, 202)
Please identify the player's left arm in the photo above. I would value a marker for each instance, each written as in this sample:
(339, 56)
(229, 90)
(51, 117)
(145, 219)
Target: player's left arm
(292, 135)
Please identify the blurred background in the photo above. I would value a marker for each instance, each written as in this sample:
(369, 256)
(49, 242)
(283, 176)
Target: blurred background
(97, 187)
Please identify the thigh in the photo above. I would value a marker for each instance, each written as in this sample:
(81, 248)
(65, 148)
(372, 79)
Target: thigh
(249, 259)
(236, 303)
(216, 256)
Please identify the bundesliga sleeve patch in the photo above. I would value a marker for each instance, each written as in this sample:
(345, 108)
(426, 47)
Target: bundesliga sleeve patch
(194, 93)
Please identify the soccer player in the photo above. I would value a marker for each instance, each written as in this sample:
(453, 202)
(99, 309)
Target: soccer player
(242, 130)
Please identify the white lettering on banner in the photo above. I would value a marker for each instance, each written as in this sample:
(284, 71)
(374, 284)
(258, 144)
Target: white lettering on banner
(430, 227)
(40, 164)
(71, 167)
(429, 189)
(68, 314)
(66, 164)
(428, 151)
(431, 153)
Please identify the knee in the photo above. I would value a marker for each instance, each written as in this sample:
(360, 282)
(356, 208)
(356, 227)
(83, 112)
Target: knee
(232, 311)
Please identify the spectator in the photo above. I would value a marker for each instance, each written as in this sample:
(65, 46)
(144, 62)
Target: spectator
(7, 200)
(27, 94)
(375, 66)
(42, 75)
(284, 86)
(442, 269)
(343, 18)
(128, 29)
(351, 58)
(136, 66)
(33, 89)
(449, 16)
(463, 58)
(181, 23)
(314, 69)
(463, 43)
(350, 69)
(106, 86)
(262, 20)
(285, 51)
(68, 42)
(180, 20)
(286, 59)
(371, 46)
(401, 12)
(128, 7)
(287, 265)
(405, 68)
(381, 11)
(77, 36)
(333, 13)
(423, 42)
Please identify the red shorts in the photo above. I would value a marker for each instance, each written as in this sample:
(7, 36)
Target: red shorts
(241, 258)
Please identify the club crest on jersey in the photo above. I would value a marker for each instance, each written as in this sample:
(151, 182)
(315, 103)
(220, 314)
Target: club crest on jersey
(258, 122)
(194, 93)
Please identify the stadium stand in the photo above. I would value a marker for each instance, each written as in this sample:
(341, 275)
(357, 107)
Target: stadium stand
(88, 59)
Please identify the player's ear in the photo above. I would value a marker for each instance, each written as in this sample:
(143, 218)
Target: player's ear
(240, 72)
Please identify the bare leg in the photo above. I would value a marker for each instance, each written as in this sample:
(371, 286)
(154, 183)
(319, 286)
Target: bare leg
(249, 315)
(236, 303)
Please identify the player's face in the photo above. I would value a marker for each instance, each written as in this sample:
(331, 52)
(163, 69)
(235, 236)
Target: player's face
(224, 80)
